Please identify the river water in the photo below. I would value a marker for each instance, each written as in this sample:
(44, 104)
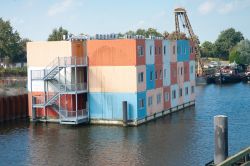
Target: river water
(181, 139)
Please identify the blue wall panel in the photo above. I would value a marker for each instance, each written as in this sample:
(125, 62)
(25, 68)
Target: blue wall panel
(150, 84)
(141, 112)
(109, 105)
(183, 51)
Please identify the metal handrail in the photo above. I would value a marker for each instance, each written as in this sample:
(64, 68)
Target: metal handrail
(242, 155)
(73, 87)
(59, 62)
(38, 100)
(72, 114)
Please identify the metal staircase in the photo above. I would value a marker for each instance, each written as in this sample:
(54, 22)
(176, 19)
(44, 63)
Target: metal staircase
(53, 99)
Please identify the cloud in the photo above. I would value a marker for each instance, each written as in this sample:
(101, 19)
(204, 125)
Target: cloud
(227, 8)
(223, 6)
(60, 7)
(206, 7)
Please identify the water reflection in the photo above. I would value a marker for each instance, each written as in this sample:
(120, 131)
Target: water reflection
(184, 138)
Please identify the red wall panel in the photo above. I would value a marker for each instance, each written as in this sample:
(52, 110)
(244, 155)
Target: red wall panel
(186, 71)
(158, 52)
(173, 72)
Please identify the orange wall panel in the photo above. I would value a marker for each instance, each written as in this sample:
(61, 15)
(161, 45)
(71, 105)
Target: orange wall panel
(78, 48)
(120, 52)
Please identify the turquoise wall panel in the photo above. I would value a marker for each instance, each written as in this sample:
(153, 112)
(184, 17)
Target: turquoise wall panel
(108, 106)
(150, 83)
(183, 52)
(141, 112)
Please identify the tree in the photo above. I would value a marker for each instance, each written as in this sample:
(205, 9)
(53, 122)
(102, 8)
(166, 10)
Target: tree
(241, 53)
(141, 32)
(226, 41)
(234, 56)
(207, 49)
(22, 54)
(9, 41)
(57, 34)
(130, 32)
(153, 32)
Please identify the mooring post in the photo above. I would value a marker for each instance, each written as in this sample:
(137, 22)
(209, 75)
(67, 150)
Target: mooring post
(125, 112)
(220, 138)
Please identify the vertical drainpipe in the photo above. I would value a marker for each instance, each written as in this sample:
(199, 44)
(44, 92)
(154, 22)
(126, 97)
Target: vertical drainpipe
(32, 100)
(76, 92)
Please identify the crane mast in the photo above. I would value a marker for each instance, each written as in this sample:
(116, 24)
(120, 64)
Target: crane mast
(181, 15)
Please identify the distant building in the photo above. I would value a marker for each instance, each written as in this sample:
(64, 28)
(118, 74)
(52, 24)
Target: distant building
(88, 80)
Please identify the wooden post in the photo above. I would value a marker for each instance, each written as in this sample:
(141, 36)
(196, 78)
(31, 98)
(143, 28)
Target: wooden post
(220, 138)
(125, 112)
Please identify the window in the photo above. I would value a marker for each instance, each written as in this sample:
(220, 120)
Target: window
(165, 73)
(166, 95)
(181, 70)
(178, 49)
(180, 92)
(140, 77)
(164, 50)
(159, 50)
(151, 75)
(174, 50)
(156, 75)
(150, 50)
(173, 94)
(141, 103)
(186, 90)
(160, 74)
(150, 100)
(192, 89)
(158, 98)
(155, 50)
(140, 51)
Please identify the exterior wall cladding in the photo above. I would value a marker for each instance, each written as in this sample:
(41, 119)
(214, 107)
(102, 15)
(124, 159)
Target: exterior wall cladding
(151, 75)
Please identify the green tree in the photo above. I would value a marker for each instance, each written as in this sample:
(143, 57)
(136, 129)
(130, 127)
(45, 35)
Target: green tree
(153, 32)
(57, 34)
(130, 32)
(9, 41)
(241, 53)
(234, 56)
(141, 32)
(207, 49)
(226, 41)
(146, 33)
(22, 54)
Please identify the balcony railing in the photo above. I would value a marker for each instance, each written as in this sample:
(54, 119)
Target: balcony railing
(38, 100)
(72, 114)
(73, 87)
(59, 62)
(69, 61)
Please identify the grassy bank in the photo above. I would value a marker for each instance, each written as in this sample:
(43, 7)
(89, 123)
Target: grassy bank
(10, 72)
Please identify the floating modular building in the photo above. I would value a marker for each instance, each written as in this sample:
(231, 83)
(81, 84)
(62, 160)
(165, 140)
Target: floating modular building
(79, 81)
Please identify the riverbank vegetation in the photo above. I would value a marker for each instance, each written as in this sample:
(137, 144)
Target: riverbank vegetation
(13, 72)
(230, 45)
(12, 46)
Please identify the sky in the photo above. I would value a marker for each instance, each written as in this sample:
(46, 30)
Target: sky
(35, 19)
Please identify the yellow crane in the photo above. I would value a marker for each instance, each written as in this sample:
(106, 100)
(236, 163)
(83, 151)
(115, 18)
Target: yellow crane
(181, 15)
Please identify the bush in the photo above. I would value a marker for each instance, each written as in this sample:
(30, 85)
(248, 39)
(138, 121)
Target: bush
(8, 72)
